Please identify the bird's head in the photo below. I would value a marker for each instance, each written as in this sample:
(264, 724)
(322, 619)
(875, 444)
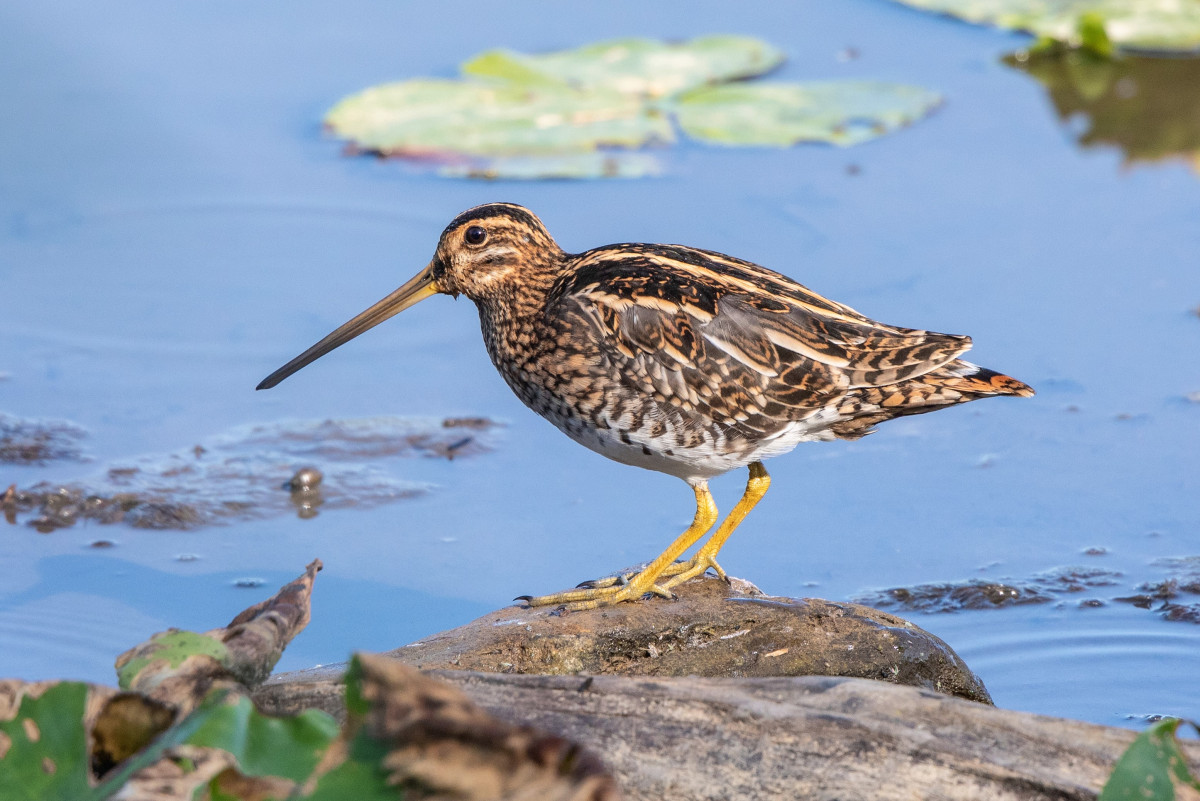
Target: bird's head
(487, 253)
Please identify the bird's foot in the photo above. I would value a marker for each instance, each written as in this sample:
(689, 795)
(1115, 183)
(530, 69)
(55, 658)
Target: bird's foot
(623, 577)
(696, 566)
(610, 591)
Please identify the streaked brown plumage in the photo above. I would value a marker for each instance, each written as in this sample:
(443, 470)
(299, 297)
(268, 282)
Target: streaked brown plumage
(676, 359)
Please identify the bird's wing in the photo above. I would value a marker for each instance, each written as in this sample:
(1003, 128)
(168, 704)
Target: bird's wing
(701, 331)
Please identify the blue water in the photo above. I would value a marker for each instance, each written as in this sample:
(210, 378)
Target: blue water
(174, 226)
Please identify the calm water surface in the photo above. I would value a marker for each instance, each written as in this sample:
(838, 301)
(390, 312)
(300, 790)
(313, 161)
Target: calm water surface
(173, 226)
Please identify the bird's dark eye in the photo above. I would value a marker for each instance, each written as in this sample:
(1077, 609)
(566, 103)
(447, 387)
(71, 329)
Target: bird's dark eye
(475, 235)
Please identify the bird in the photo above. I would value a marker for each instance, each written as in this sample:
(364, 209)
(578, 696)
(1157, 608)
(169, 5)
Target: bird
(676, 359)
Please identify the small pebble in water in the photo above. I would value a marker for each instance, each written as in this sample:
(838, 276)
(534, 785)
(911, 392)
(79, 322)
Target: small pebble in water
(187, 557)
(1091, 603)
(101, 544)
(306, 479)
(249, 583)
(1096, 550)
(847, 54)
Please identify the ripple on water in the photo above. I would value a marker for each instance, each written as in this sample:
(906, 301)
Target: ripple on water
(1109, 666)
(82, 625)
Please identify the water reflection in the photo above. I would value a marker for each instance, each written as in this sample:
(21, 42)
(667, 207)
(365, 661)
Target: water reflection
(1148, 107)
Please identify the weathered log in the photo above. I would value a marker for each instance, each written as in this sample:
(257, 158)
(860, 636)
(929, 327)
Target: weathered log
(694, 739)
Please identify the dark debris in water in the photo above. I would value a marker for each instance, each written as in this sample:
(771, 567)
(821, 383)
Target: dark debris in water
(1169, 597)
(25, 441)
(1172, 597)
(984, 594)
(253, 472)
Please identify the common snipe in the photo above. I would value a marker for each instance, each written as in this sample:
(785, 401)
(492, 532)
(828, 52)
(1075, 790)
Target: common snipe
(675, 359)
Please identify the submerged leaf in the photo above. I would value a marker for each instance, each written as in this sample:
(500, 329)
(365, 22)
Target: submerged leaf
(442, 119)
(646, 67)
(783, 114)
(607, 164)
(1153, 25)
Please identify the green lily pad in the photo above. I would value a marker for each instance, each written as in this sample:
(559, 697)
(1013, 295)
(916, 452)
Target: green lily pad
(444, 118)
(575, 166)
(783, 114)
(646, 67)
(1151, 25)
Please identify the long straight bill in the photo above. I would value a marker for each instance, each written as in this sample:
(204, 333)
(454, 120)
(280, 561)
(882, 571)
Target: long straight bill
(417, 289)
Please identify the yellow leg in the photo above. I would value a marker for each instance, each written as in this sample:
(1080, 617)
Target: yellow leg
(643, 582)
(706, 557)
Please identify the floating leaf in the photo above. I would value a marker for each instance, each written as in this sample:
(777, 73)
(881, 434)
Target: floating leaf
(783, 114)
(1154, 25)
(575, 166)
(566, 114)
(1151, 768)
(442, 119)
(647, 67)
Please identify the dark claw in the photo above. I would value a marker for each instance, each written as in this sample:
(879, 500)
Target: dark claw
(586, 585)
(523, 598)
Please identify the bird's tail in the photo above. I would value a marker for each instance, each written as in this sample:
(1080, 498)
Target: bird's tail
(953, 383)
(976, 382)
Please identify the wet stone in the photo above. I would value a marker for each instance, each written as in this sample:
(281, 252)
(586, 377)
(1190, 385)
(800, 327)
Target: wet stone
(712, 629)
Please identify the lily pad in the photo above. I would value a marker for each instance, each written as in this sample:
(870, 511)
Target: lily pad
(433, 118)
(575, 114)
(783, 114)
(646, 67)
(1149, 25)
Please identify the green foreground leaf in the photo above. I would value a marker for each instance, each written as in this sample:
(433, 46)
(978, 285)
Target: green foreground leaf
(1151, 767)
(1147, 25)
(783, 114)
(46, 757)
